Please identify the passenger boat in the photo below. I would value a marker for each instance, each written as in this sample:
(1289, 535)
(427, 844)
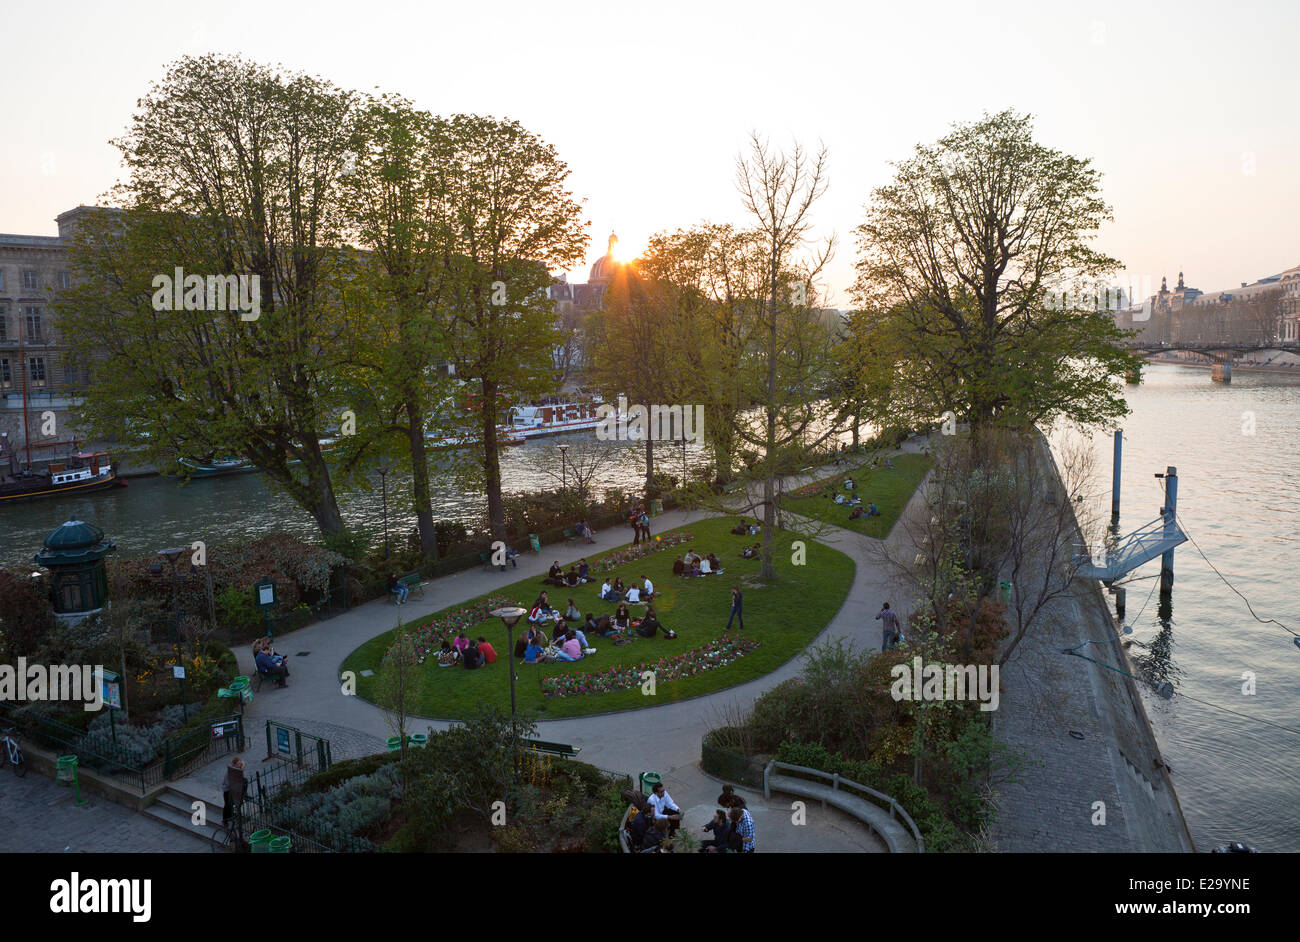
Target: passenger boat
(81, 473)
(467, 439)
(535, 421)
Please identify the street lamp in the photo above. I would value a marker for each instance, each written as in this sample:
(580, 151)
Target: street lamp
(509, 617)
(383, 478)
(172, 555)
(563, 477)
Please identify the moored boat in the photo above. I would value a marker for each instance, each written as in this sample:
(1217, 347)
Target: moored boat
(81, 473)
(216, 467)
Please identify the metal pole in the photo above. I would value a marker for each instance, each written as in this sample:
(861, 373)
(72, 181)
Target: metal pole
(383, 477)
(514, 726)
(1170, 513)
(1115, 476)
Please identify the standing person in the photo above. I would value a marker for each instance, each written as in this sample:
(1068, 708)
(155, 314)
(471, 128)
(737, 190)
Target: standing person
(645, 525)
(742, 826)
(889, 632)
(634, 519)
(736, 603)
(232, 790)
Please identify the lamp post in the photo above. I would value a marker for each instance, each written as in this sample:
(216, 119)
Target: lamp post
(171, 555)
(509, 617)
(383, 478)
(564, 483)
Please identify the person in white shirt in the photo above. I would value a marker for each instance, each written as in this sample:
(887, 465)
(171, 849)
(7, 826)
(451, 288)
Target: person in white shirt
(634, 595)
(647, 587)
(705, 567)
(607, 592)
(664, 806)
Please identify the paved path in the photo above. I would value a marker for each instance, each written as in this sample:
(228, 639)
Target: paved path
(39, 816)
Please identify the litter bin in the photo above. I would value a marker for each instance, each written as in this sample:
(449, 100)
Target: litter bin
(418, 740)
(648, 781)
(1005, 587)
(534, 542)
(259, 842)
(656, 507)
(278, 845)
(394, 743)
(67, 770)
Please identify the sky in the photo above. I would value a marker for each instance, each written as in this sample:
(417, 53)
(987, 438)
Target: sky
(1186, 108)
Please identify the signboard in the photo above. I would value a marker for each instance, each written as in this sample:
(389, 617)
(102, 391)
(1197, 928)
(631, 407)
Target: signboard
(178, 672)
(109, 684)
(224, 728)
(264, 594)
(282, 741)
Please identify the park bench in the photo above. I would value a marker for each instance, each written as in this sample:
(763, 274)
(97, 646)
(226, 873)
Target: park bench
(570, 534)
(551, 748)
(898, 838)
(412, 582)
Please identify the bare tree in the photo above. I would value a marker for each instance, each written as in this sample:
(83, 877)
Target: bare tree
(399, 685)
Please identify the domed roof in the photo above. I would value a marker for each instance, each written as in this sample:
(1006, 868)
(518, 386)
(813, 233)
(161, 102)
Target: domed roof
(605, 266)
(75, 534)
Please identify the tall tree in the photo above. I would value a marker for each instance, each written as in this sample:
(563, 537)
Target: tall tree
(963, 259)
(505, 222)
(234, 171)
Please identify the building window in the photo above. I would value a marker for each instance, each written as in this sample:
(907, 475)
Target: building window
(69, 375)
(30, 280)
(32, 324)
(4, 323)
(2, 279)
(6, 375)
(65, 281)
(36, 371)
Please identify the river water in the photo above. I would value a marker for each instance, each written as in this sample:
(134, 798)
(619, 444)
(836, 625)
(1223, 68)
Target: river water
(1237, 777)
(1237, 451)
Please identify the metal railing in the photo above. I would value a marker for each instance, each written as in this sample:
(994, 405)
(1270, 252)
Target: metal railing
(837, 781)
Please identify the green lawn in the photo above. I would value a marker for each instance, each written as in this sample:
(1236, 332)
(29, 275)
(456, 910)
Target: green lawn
(783, 617)
(889, 489)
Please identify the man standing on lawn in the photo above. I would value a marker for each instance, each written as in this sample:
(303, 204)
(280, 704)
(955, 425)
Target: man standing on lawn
(736, 601)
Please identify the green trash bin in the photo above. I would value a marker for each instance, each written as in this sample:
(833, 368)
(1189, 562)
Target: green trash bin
(278, 845)
(67, 770)
(1005, 587)
(394, 743)
(534, 542)
(241, 679)
(259, 842)
(656, 507)
(418, 740)
(648, 781)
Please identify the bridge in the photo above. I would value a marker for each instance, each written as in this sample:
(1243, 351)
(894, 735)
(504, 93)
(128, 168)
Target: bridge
(1141, 546)
(1220, 352)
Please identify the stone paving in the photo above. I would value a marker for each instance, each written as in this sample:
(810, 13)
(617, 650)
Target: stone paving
(37, 815)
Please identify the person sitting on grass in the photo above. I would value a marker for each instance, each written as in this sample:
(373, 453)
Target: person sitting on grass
(622, 619)
(571, 577)
(679, 567)
(472, 658)
(714, 563)
(533, 653)
(460, 643)
(647, 587)
(634, 595)
(489, 653)
(740, 528)
(695, 569)
(751, 552)
(558, 633)
(650, 625)
(570, 649)
(855, 513)
(554, 575)
(448, 656)
(619, 589)
(607, 592)
(573, 614)
(873, 510)
(584, 571)
(541, 610)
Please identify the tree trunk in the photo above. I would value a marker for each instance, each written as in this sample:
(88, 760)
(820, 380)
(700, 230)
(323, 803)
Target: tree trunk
(649, 468)
(768, 570)
(420, 481)
(492, 462)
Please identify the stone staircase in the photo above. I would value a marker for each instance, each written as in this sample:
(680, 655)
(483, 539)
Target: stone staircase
(175, 809)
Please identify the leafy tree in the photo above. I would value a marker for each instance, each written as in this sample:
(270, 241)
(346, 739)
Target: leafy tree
(233, 170)
(973, 264)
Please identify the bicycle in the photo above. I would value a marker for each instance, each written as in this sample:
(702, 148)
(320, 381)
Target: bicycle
(228, 837)
(12, 754)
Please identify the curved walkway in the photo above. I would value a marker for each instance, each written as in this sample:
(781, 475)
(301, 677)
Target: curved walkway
(663, 739)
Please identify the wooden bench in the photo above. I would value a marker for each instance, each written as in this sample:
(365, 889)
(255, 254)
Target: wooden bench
(551, 748)
(570, 534)
(412, 582)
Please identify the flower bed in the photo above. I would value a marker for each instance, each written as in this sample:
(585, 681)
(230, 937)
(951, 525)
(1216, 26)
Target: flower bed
(621, 557)
(429, 637)
(717, 653)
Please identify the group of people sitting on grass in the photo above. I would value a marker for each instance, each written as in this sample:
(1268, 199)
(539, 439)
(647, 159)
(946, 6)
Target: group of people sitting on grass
(691, 563)
(469, 653)
(634, 594)
(575, 576)
(570, 630)
(742, 528)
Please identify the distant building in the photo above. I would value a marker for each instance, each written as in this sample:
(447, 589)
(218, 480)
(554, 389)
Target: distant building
(1267, 309)
(573, 304)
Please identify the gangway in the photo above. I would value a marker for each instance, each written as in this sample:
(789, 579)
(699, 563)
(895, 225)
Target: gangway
(1129, 552)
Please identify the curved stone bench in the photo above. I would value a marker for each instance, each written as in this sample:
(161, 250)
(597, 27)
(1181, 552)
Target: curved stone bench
(898, 837)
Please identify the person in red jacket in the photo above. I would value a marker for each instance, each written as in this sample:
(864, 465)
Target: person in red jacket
(489, 653)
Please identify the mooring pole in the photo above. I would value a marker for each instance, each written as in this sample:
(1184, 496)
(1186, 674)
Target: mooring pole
(1121, 595)
(1170, 513)
(1115, 476)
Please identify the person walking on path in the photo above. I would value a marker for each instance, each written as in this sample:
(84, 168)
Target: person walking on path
(736, 600)
(889, 633)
